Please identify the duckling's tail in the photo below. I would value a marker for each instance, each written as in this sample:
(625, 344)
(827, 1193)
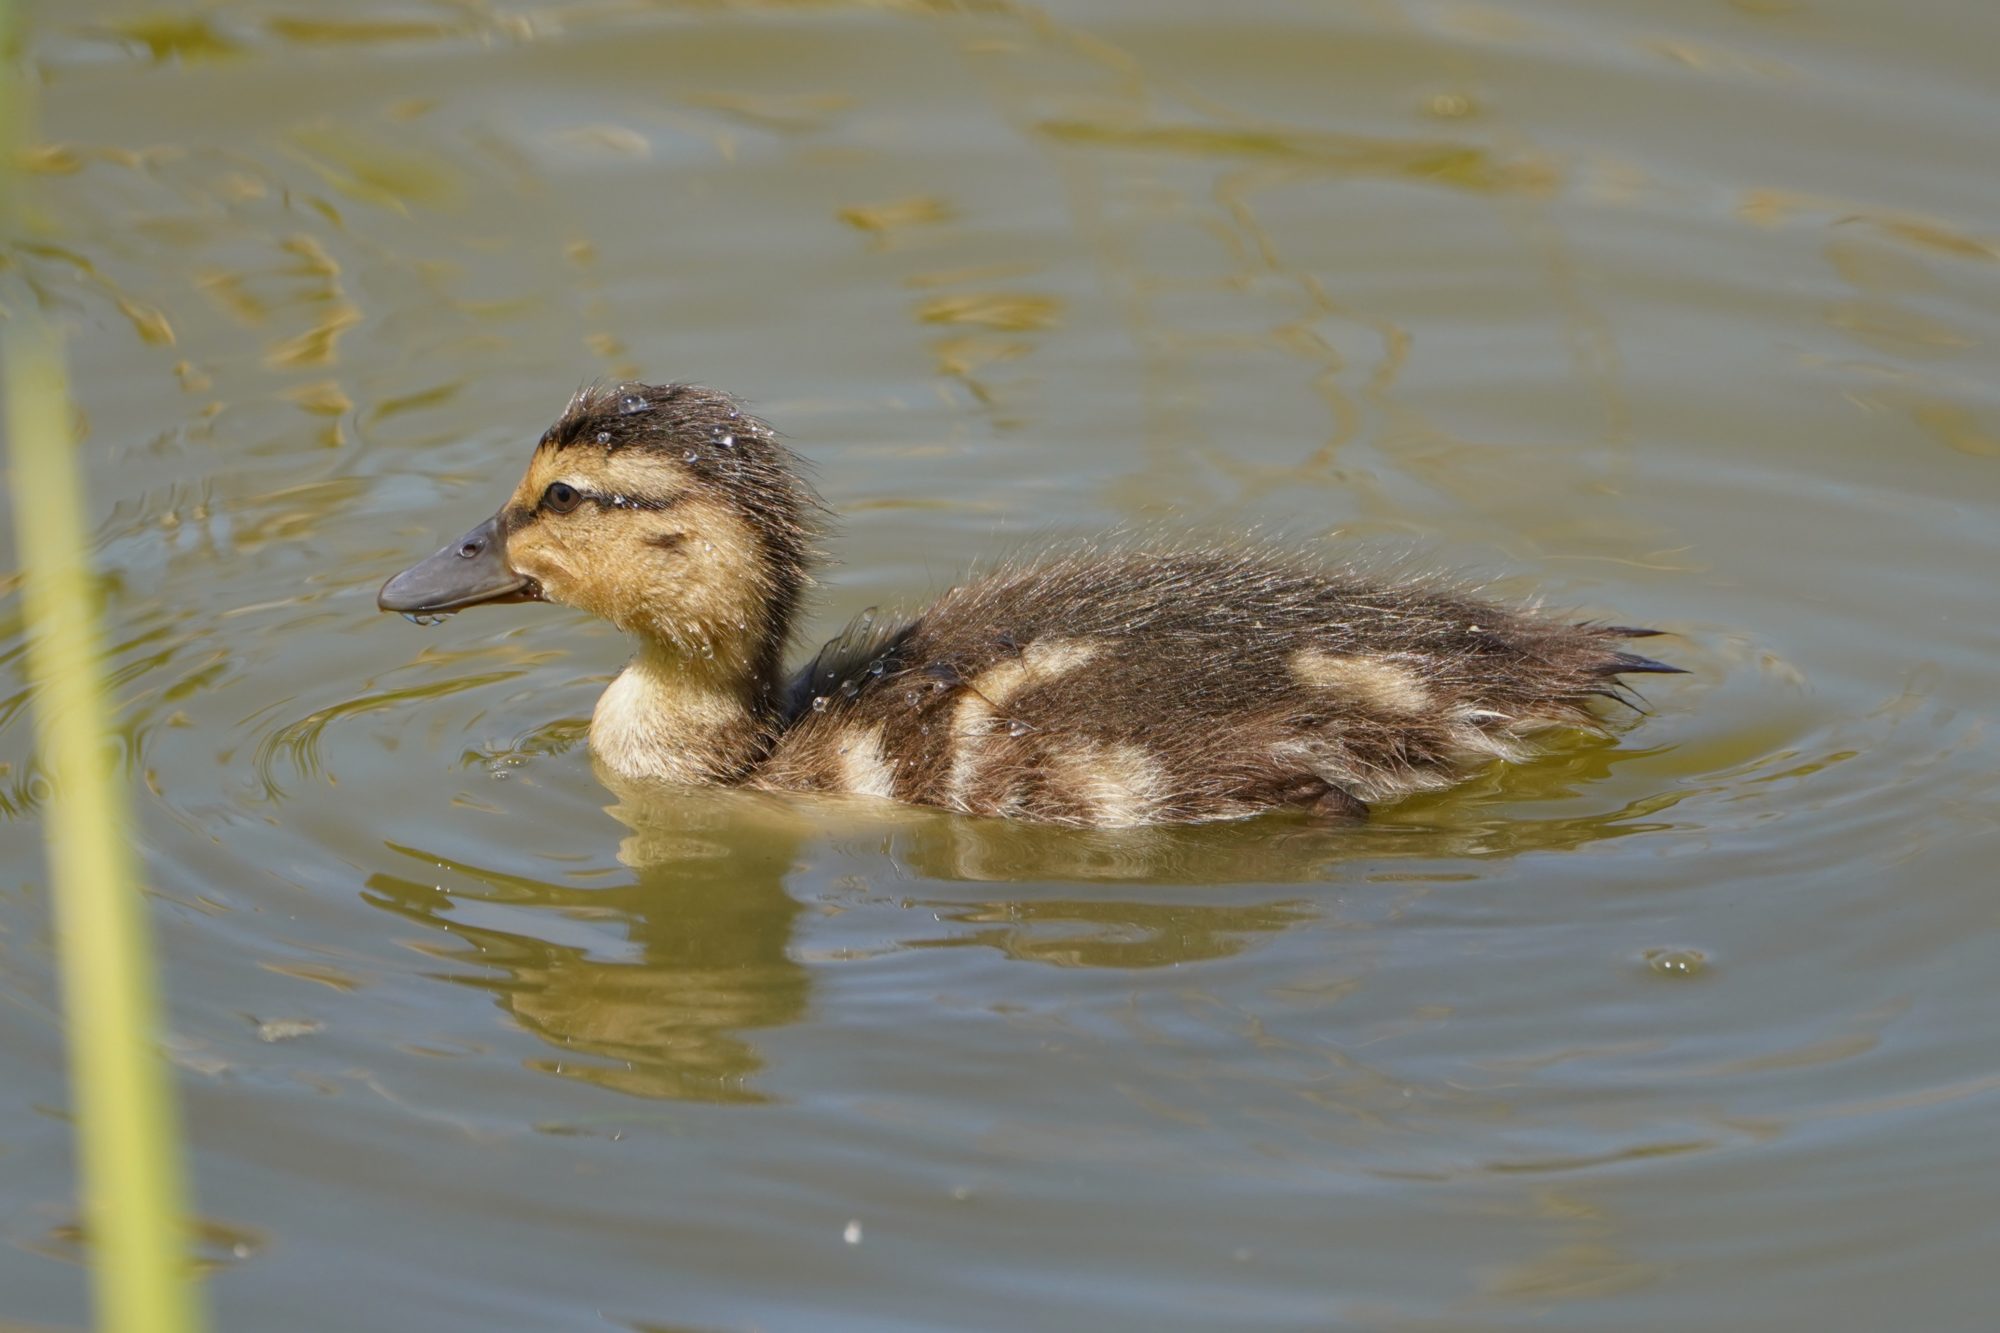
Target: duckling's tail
(1619, 663)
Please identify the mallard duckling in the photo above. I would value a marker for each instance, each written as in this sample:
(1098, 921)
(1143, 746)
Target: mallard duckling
(1137, 687)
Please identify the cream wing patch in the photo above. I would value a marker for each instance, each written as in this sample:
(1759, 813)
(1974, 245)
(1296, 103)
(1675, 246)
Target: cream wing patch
(987, 694)
(1375, 681)
(1122, 785)
(1040, 662)
(863, 770)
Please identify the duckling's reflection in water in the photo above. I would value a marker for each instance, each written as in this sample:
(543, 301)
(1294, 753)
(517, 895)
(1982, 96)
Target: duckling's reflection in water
(709, 920)
(708, 923)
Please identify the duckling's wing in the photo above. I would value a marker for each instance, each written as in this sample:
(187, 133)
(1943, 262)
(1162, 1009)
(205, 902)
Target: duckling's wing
(846, 657)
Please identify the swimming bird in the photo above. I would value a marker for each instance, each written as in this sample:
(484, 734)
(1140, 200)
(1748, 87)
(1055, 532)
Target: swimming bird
(1137, 685)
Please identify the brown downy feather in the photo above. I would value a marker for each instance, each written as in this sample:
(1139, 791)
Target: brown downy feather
(1104, 689)
(1178, 686)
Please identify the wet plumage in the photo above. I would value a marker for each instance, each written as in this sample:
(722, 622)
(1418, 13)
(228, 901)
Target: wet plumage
(1124, 687)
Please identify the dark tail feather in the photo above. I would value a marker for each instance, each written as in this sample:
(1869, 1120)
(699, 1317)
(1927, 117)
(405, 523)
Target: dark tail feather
(1618, 664)
(1629, 632)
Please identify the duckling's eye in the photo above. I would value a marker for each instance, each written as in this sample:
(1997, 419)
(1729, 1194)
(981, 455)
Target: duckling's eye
(561, 497)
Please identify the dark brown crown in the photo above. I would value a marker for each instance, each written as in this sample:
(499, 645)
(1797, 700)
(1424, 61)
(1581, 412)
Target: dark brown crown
(729, 453)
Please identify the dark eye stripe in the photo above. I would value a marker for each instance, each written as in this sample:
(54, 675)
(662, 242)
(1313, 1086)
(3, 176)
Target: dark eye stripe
(610, 500)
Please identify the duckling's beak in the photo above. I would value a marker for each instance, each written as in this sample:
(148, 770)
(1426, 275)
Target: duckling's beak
(471, 570)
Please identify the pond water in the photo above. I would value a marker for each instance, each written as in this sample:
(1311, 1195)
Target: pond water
(1677, 312)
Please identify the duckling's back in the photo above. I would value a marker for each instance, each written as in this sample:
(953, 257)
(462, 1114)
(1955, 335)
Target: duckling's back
(1185, 686)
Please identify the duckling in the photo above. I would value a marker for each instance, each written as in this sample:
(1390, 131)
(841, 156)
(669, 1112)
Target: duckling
(1142, 686)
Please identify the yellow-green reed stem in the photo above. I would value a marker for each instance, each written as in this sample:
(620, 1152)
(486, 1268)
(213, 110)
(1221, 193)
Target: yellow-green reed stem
(127, 1128)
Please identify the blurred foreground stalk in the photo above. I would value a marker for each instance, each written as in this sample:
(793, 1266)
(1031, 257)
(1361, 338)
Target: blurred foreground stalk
(127, 1130)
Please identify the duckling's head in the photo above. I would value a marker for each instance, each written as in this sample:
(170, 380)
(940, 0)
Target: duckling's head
(664, 508)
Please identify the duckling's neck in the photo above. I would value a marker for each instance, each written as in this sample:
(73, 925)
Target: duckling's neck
(674, 715)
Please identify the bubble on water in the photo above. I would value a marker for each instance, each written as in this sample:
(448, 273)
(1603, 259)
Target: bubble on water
(877, 667)
(691, 456)
(819, 703)
(1017, 728)
(852, 1233)
(849, 689)
(910, 697)
(726, 440)
(427, 617)
(604, 437)
(287, 1029)
(1676, 962)
(631, 403)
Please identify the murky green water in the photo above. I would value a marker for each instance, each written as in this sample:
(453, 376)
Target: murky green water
(1679, 312)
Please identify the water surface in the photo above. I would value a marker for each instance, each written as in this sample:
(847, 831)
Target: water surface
(1681, 314)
